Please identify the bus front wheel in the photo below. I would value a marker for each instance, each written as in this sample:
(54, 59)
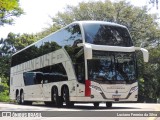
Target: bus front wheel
(18, 98)
(22, 98)
(96, 104)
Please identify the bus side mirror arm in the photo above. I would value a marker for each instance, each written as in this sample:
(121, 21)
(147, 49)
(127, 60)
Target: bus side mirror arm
(87, 50)
(145, 53)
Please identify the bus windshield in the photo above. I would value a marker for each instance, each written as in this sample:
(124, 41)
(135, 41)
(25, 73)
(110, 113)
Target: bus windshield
(102, 34)
(112, 66)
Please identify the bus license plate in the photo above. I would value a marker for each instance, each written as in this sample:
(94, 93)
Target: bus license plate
(116, 96)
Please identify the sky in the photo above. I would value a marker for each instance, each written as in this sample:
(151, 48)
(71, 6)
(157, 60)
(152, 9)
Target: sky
(38, 12)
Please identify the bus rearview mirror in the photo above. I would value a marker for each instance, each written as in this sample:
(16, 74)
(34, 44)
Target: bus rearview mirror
(145, 53)
(87, 49)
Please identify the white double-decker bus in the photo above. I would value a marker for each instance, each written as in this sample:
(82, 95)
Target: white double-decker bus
(86, 61)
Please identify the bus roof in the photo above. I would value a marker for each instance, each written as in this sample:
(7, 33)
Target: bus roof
(98, 22)
(76, 22)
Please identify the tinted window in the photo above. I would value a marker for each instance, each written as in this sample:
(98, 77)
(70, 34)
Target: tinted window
(38, 78)
(53, 73)
(102, 34)
(68, 38)
(53, 42)
(47, 74)
(112, 66)
(28, 54)
(58, 72)
(72, 38)
(29, 78)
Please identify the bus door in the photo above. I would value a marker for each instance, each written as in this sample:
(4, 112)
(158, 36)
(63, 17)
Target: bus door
(46, 86)
(38, 81)
(32, 81)
(80, 73)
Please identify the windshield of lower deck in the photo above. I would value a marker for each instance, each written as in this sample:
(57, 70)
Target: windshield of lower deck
(115, 66)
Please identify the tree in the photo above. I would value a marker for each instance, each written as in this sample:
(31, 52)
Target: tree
(154, 2)
(8, 46)
(18, 41)
(9, 9)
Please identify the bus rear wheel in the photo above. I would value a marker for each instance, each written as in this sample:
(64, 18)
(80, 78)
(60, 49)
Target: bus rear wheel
(57, 99)
(18, 99)
(108, 104)
(22, 98)
(66, 97)
(22, 101)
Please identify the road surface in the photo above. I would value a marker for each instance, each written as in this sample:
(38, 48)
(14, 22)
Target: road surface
(81, 110)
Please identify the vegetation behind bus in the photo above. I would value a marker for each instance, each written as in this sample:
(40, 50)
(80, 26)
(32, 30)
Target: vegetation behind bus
(143, 27)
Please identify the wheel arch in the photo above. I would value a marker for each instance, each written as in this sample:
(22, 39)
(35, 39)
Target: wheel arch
(21, 90)
(17, 92)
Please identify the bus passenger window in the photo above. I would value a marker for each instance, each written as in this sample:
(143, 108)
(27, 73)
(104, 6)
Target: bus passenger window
(38, 78)
(46, 78)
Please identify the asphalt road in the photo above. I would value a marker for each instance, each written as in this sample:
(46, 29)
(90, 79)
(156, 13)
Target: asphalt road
(119, 111)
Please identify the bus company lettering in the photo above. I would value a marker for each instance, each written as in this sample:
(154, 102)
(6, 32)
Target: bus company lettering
(40, 62)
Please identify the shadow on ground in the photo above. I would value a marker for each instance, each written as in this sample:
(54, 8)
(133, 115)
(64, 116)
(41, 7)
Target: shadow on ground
(87, 107)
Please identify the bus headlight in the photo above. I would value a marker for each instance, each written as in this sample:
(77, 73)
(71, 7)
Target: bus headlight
(133, 89)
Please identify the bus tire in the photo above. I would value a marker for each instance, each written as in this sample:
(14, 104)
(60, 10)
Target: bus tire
(22, 98)
(17, 97)
(108, 104)
(22, 101)
(66, 99)
(57, 99)
(48, 103)
(96, 104)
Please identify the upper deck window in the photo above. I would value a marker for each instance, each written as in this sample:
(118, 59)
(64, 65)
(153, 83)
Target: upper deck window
(103, 34)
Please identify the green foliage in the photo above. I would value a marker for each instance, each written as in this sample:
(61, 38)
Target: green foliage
(8, 10)
(149, 81)
(5, 66)
(20, 41)
(152, 74)
(4, 89)
(154, 2)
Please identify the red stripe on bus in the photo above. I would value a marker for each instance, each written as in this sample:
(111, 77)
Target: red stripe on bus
(87, 88)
